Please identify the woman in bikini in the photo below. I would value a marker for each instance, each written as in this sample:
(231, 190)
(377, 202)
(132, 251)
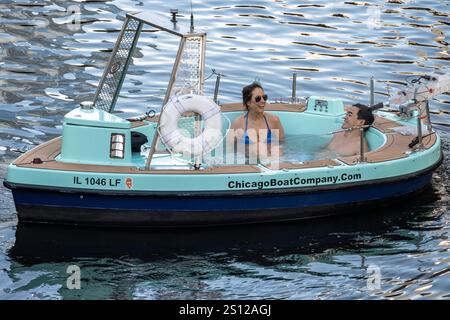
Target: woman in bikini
(257, 129)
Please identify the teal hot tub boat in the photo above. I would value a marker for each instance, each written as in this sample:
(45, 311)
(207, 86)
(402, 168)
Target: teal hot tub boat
(110, 171)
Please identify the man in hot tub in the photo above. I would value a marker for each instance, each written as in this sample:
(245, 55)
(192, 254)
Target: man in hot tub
(347, 142)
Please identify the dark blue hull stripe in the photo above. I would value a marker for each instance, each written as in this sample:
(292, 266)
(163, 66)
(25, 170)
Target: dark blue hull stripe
(211, 203)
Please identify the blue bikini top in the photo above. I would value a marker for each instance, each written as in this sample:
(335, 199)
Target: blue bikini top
(246, 138)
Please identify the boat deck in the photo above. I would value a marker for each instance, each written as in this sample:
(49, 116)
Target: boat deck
(396, 147)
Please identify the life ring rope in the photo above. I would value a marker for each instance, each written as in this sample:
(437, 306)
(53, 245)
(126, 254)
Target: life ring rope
(180, 108)
(210, 113)
(170, 136)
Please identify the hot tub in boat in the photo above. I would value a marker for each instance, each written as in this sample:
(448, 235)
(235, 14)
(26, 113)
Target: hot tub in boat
(97, 172)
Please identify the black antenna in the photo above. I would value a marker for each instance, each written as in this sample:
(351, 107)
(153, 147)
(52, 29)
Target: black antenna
(192, 19)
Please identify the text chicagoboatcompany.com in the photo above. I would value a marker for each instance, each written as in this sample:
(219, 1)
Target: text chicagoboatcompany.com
(292, 181)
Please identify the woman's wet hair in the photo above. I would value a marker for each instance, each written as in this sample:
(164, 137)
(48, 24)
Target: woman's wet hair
(364, 113)
(247, 92)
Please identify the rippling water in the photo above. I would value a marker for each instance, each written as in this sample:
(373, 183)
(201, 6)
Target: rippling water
(48, 66)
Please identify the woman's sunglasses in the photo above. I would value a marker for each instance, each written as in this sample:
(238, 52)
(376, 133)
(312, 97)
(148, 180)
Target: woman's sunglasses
(258, 98)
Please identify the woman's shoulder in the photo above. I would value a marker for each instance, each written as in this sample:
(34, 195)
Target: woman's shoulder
(238, 121)
(272, 117)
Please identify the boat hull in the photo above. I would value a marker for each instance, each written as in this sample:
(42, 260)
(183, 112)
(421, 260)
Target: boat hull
(214, 208)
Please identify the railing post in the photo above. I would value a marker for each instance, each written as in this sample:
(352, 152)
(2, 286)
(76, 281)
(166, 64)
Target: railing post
(362, 157)
(372, 92)
(419, 132)
(294, 87)
(216, 89)
(427, 108)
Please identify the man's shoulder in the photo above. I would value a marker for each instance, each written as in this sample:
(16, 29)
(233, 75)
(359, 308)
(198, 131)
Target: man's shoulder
(340, 135)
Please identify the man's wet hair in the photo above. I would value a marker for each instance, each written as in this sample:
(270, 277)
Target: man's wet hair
(247, 92)
(364, 113)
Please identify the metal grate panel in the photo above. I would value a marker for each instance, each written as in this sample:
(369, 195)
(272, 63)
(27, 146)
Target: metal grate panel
(188, 75)
(111, 83)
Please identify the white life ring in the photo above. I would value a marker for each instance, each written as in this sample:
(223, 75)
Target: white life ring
(171, 135)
